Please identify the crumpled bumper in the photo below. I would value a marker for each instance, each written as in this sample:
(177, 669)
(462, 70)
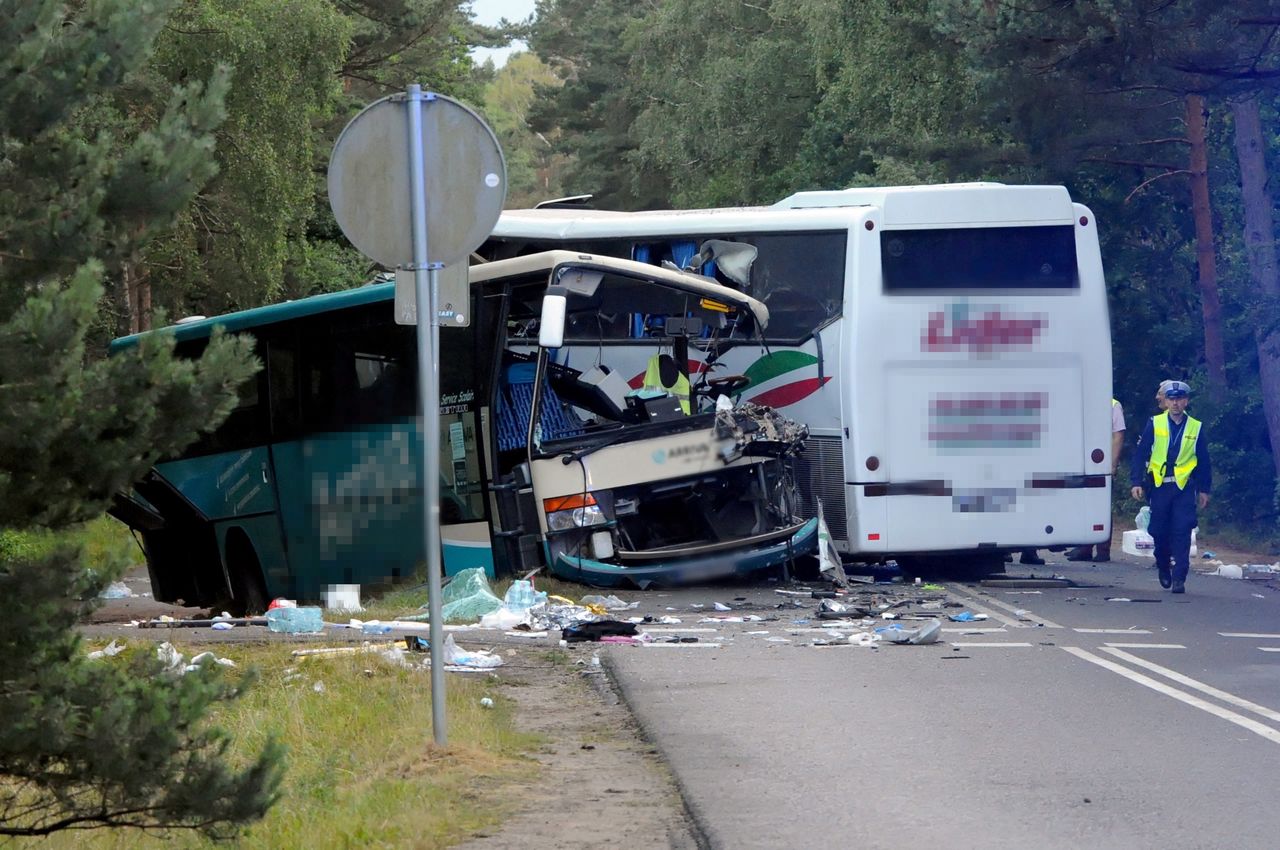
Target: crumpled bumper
(690, 570)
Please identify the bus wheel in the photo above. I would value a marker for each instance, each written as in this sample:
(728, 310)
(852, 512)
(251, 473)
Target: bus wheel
(249, 590)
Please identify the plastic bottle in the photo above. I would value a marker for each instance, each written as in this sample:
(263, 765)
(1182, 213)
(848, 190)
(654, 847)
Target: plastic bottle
(375, 628)
(303, 620)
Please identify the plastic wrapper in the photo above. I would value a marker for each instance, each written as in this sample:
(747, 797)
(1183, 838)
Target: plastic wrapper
(467, 597)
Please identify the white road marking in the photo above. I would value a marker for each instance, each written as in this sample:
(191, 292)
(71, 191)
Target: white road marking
(979, 631)
(1270, 648)
(1260, 636)
(1160, 687)
(1113, 631)
(1146, 645)
(1199, 686)
(1048, 624)
(683, 645)
(966, 645)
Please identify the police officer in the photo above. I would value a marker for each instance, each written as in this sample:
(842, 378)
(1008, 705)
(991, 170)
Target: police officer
(1171, 465)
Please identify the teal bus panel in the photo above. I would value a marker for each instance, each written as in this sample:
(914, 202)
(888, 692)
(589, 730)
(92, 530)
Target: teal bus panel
(224, 485)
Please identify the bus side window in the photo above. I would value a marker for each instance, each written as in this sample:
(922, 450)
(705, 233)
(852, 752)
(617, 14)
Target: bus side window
(247, 425)
(282, 375)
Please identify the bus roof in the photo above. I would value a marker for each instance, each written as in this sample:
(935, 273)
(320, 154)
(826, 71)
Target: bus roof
(517, 266)
(945, 205)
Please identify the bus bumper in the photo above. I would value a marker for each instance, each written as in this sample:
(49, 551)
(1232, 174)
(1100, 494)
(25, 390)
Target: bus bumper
(691, 570)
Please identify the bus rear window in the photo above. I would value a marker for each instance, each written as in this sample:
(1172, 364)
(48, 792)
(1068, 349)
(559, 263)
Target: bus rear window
(961, 259)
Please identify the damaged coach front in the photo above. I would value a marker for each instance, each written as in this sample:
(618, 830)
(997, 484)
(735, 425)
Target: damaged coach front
(670, 481)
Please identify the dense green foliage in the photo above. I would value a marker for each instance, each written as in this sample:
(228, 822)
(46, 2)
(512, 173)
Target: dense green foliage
(84, 182)
(690, 103)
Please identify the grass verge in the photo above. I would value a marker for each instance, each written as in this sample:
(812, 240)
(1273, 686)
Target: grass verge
(363, 770)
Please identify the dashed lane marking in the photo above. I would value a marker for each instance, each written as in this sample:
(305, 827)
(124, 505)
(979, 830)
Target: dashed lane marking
(1232, 699)
(971, 644)
(1256, 635)
(977, 601)
(1252, 725)
(1145, 645)
(1000, 631)
(1270, 648)
(1113, 631)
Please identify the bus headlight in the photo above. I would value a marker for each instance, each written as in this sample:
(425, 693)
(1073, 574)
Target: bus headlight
(577, 511)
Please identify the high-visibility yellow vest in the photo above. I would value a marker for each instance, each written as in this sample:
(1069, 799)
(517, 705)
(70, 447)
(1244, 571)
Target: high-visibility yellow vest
(680, 389)
(1186, 460)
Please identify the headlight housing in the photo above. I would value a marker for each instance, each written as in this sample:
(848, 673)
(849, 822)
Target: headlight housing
(577, 511)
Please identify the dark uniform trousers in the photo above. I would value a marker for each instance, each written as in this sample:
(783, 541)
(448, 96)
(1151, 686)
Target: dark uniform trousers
(1173, 515)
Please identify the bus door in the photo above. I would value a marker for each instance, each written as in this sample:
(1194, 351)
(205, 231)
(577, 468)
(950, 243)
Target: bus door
(465, 532)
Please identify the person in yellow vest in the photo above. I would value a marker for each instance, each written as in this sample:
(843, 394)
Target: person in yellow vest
(664, 374)
(1086, 553)
(1171, 467)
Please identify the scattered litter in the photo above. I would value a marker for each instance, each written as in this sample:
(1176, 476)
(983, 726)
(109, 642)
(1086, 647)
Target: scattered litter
(1206, 554)
(749, 618)
(107, 651)
(169, 655)
(765, 632)
(966, 617)
(923, 635)
(486, 702)
(304, 620)
(1258, 596)
(1230, 571)
(1118, 599)
(318, 687)
(467, 597)
(594, 631)
(777, 640)
(479, 659)
(526, 634)
(116, 590)
(281, 602)
(222, 626)
(720, 606)
(608, 603)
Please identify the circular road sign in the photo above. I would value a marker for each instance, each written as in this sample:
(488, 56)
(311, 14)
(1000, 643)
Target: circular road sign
(464, 173)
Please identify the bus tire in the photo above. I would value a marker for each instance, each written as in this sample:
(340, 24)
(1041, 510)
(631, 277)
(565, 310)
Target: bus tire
(248, 588)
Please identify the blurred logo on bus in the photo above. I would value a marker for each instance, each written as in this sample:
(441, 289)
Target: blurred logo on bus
(980, 329)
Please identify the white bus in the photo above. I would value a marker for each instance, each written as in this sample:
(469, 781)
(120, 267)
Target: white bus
(948, 347)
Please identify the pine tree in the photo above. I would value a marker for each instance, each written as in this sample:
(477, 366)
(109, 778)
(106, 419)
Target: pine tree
(85, 743)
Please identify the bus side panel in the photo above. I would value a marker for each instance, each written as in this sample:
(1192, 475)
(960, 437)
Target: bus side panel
(229, 484)
(351, 504)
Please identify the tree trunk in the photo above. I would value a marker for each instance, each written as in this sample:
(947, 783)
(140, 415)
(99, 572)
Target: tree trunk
(1206, 260)
(1260, 245)
(130, 296)
(144, 302)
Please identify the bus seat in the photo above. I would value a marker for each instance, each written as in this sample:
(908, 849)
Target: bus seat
(515, 399)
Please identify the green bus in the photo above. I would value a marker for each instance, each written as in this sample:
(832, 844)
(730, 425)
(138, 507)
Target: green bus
(315, 477)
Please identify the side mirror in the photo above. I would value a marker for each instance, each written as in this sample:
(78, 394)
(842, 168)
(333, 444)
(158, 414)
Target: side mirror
(551, 327)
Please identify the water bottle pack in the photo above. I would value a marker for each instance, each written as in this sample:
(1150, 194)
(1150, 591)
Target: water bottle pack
(295, 621)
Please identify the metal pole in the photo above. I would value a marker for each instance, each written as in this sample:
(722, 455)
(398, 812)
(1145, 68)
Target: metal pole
(424, 279)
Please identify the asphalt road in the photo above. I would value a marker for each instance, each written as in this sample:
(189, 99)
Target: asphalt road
(1064, 721)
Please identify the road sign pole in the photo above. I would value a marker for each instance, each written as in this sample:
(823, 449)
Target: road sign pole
(429, 394)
